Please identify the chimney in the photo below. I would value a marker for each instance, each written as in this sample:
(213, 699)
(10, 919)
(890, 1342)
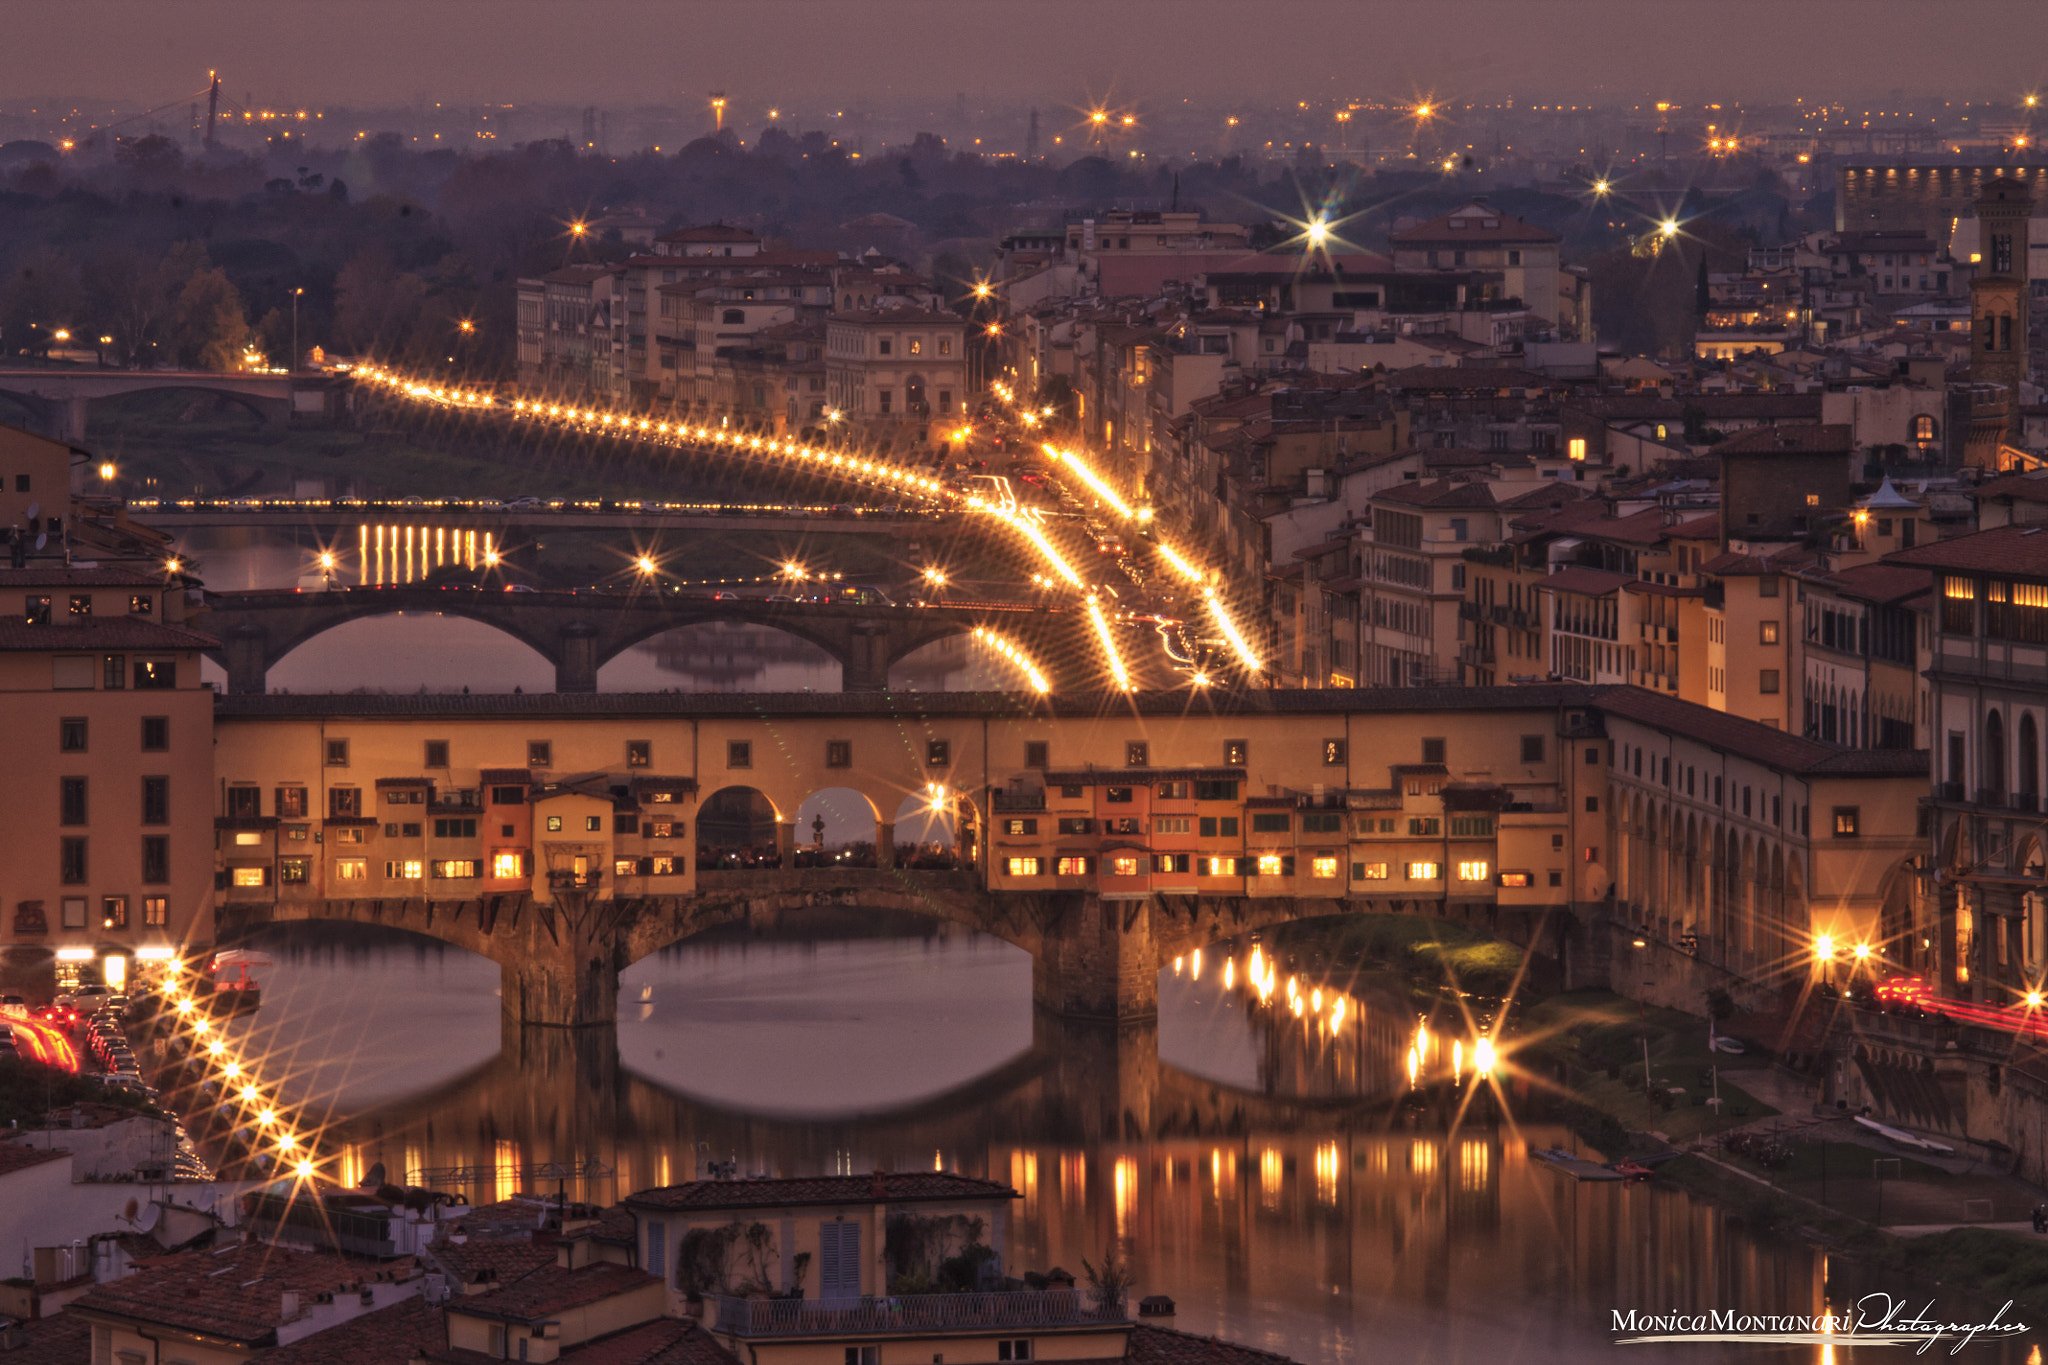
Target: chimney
(879, 1189)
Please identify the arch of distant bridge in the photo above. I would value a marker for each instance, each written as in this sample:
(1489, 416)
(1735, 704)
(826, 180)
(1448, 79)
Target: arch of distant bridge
(579, 632)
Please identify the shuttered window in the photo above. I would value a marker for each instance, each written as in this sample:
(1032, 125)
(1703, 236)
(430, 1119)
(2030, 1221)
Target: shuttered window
(656, 1263)
(839, 1260)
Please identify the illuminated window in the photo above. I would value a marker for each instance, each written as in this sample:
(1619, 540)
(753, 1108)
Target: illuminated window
(1171, 824)
(1368, 872)
(1020, 826)
(1269, 865)
(554, 824)
(622, 867)
(351, 869)
(1123, 866)
(294, 871)
(1023, 867)
(113, 912)
(406, 869)
(1847, 820)
(1474, 872)
(1423, 872)
(507, 864)
(156, 910)
(1322, 867)
(1219, 867)
(1073, 867)
(1514, 879)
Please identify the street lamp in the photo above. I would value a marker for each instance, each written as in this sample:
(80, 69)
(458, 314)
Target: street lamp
(295, 329)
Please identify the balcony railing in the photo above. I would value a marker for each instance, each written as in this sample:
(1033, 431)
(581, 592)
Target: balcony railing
(915, 1313)
(574, 881)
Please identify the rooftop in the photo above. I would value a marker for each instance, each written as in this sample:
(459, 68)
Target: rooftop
(551, 1289)
(1754, 740)
(235, 1292)
(1834, 438)
(100, 632)
(387, 1336)
(1477, 221)
(2004, 549)
(15, 1157)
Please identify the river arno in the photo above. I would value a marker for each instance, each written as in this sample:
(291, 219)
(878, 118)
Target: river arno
(1246, 1164)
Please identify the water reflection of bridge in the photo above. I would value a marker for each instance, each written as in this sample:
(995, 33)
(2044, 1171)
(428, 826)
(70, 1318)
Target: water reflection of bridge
(1218, 1195)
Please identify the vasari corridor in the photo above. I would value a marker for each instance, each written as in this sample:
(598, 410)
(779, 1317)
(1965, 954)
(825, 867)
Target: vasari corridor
(765, 682)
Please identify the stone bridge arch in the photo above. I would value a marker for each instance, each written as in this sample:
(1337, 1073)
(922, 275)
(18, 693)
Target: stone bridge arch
(63, 399)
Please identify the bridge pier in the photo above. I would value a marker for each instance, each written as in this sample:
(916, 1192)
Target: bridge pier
(576, 664)
(248, 659)
(1097, 959)
(563, 971)
(865, 667)
(70, 416)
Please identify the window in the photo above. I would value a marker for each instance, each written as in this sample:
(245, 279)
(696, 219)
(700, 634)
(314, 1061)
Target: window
(1036, 753)
(294, 871)
(71, 735)
(1767, 587)
(113, 912)
(1271, 822)
(1368, 872)
(1333, 753)
(1514, 879)
(71, 860)
(593, 824)
(74, 912)
(71, 801)
(245, 802)
(1015, 826)
(739, 753)
(1124, 824)
(36, 610)
(1432, 751)
(639, 753)
(1423, 872)
(1118, 796)
(141, 604)
(1076, 825)
(337, 753)
(1323, 865)
(114, 672)
(1013, 1349)
(1576, 448)
(248, 838)
(1135, 752)
(1424, 826)
(1471, 826)
(437, 753)
(508, 863)
(455, 828)
(406, 869)
(1172, 791)
(156, 910)
(1322, 822)
(1073, 867)
(540, 753)
(1216, 791)
(1532, 748)
(1767, 632)
(1846, 818)
(351, 834)
(884, 346)
(624, 867)
(250, 876)
(351, 870)
(938, 753)
(839, 753)
(1592, 805)
(344, 802)
(1171, 824)
(155, 675)
(508, 796)
(1023, 867)
(1767, 681)
(1219, 867)
(554, 824)
(81, 604)
(1123, 865)
(156, 733)
(1234, 752)
(156, 800)
(1474, 871)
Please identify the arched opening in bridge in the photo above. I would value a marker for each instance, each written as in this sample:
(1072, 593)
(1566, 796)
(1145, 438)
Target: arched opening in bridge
(955, 663)
(738, 827)
(926, 830)
(836, 827)
(721, 656)
(409, 652)
(828, 1010)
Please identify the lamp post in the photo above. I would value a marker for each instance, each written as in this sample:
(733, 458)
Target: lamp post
(295, 329)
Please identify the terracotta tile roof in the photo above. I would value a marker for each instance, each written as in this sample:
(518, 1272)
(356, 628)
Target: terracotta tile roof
(1753, 740)
(1833, 438)
(497, 1259)
(665, 1341)
(1733, 565)
(100, 632)
(1579, 579)
(1149, 1345)
(388, 1336)
(1443, 378)
(57, 576)
(62, 1339)
(1473, 223)
(234, 1292)
(709, 232)
(1886, 584)
(888, 1187)
(15, 1157)
(1442, 493)
(2004, 549)
(551, 1290)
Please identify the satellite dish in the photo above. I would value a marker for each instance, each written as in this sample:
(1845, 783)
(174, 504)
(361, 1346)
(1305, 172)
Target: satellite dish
(41, 540)
(152, 1214)
(374, 1177)
(33, 509)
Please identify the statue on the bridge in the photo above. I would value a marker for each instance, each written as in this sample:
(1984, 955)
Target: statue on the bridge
(818, 832)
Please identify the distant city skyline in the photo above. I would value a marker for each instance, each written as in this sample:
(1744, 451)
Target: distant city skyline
(1151, 53)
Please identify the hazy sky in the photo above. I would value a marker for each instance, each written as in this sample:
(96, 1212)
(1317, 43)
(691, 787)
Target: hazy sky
(355, 52)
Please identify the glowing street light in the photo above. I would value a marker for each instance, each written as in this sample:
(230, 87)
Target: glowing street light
(107, 470)
(1482, 1057)
(645, 563)
(1318, 231)
(1601, 187)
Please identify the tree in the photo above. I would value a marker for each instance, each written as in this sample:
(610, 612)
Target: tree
(209, 326)
(376, 305)
(41, 296)
(132, 295)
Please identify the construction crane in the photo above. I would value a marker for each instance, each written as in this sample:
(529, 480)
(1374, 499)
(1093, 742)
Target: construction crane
(212, 104)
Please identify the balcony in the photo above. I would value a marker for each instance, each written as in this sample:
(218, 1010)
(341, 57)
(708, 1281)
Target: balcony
(574, 881)
(1020, 1309)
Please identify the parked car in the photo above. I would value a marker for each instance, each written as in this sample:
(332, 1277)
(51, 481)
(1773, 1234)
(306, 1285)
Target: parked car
(14, 1006)
(84, 999)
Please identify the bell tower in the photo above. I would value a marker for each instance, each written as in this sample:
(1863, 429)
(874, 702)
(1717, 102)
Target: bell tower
(1998, 294)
